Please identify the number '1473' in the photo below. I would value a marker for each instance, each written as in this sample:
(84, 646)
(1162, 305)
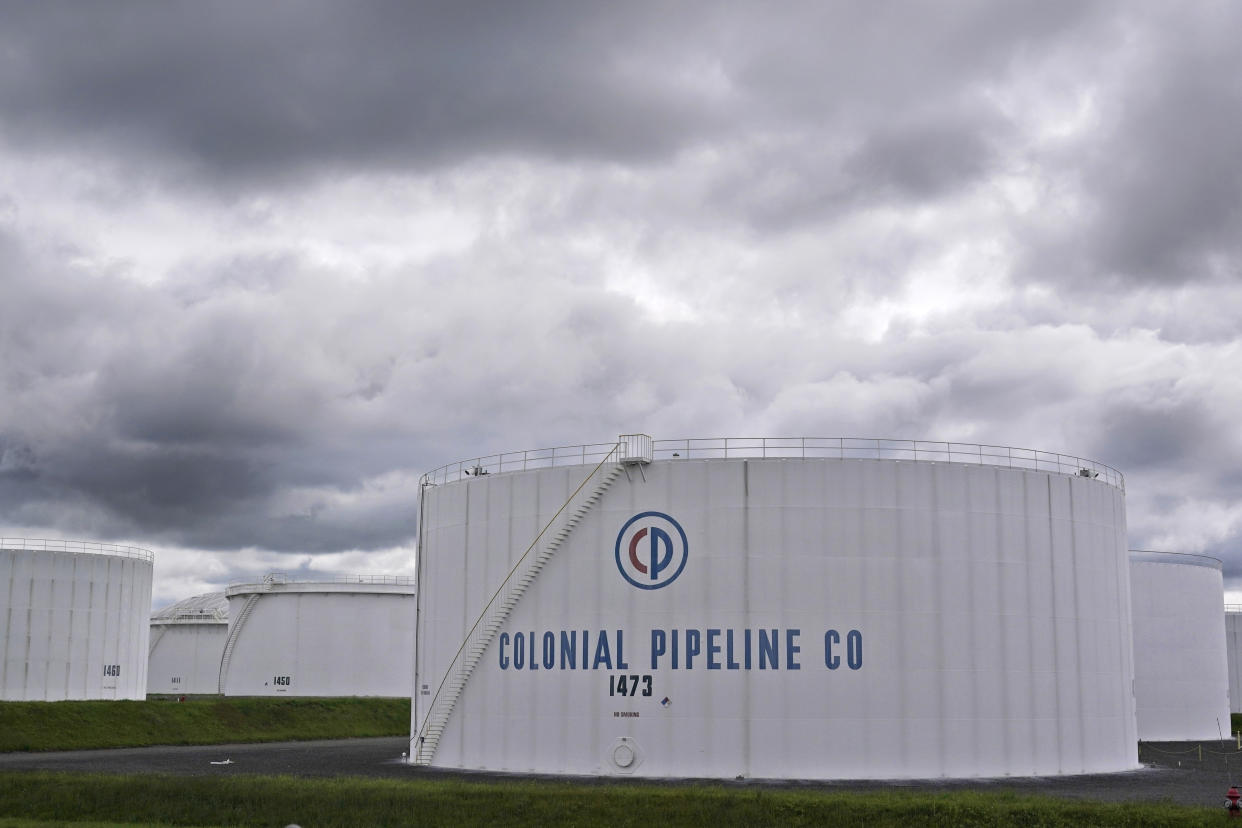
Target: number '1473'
(628, 685)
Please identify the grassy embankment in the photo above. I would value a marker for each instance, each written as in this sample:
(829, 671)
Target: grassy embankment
(202, 801)
(79, 725)
(41, 799)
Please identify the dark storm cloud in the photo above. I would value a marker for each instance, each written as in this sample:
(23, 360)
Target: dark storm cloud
(263, 88)
(1171, 204)
(791, 184)
(258, 90)
(295, 420)
(1161, 188)
(1157, 435)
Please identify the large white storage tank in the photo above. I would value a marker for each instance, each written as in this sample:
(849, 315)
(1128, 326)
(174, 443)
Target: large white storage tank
(775, 608)
(352, 636)
(73, 620)
(1181, 674)
(187, 641)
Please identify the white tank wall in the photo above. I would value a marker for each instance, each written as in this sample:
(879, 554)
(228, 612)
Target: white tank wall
(185, 658)
(992, 605)
(1181, 676)
(73, 624)
(304, 639)
(1233, 653)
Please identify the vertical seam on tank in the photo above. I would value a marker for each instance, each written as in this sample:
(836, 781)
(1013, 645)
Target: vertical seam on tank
(1029, 614)
(938, 549)
(8, 626)
(746, 686)
(1001, 571)
(1078, 626)
(8, 621)
(505, 698)
(126, 641)
(107, 636)
(465, 605)
(903, 686)
(90, 630)
(145, 629)
(972, 647)
(73, 605)
(1056, 650)
(465, 560)
(51, 626)
(1125, 622)
(29, 621)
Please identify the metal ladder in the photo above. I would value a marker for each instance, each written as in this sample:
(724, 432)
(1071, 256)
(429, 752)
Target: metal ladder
(234, 632)
(155, 639)
(424, 743)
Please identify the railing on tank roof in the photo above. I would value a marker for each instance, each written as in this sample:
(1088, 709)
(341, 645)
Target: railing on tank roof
(88, 547)
(841, 448)
(1233, 607)
(192, 616)
(283, 578)
(844, 448)
(508, 461)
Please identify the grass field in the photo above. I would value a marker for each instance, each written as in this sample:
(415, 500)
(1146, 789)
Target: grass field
(43, 799)
(203, 801)
(79, 725)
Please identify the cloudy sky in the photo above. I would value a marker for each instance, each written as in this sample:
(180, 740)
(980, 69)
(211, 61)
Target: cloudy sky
(262, 264)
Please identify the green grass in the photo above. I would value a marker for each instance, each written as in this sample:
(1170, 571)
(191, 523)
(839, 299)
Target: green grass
(200, 801)
(78, 725)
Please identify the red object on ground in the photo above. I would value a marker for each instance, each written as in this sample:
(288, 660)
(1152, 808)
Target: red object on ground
(1232, 803)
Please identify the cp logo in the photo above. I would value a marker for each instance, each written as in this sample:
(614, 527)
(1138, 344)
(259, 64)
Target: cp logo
(651, 550)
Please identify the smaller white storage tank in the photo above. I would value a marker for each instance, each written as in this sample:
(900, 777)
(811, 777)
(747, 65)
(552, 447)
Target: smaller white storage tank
(1233, 650)
(73, 620)
(187, 641)
(1181, 675)
(352, 636)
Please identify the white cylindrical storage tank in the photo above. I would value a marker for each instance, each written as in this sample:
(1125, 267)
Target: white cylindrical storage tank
(187, 641)
(353, 636)
(775, 609)
(1181, 674)
(1233, 651)
(73, 620)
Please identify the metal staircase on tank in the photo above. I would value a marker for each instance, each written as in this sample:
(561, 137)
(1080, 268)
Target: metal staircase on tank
(497, 611)
(235, 631)
(155, 639)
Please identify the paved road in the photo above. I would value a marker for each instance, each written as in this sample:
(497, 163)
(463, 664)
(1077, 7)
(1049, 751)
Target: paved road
(1197, 781)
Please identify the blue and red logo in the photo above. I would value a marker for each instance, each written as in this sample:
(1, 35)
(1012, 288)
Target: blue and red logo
(651, 550)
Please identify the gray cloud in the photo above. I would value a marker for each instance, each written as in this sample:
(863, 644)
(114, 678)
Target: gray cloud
(255, 90)
(1162, 198)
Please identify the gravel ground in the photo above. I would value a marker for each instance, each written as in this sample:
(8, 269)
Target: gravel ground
(1192, 773)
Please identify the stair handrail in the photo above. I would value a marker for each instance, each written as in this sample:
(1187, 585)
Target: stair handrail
(226, 656)
(156, 639)
(488, 606)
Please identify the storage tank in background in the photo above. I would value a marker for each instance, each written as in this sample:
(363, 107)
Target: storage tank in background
(73, 620)
(1233, 651)
(187, 641)
(351, 636)
(1181, 674)
(799, 608)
